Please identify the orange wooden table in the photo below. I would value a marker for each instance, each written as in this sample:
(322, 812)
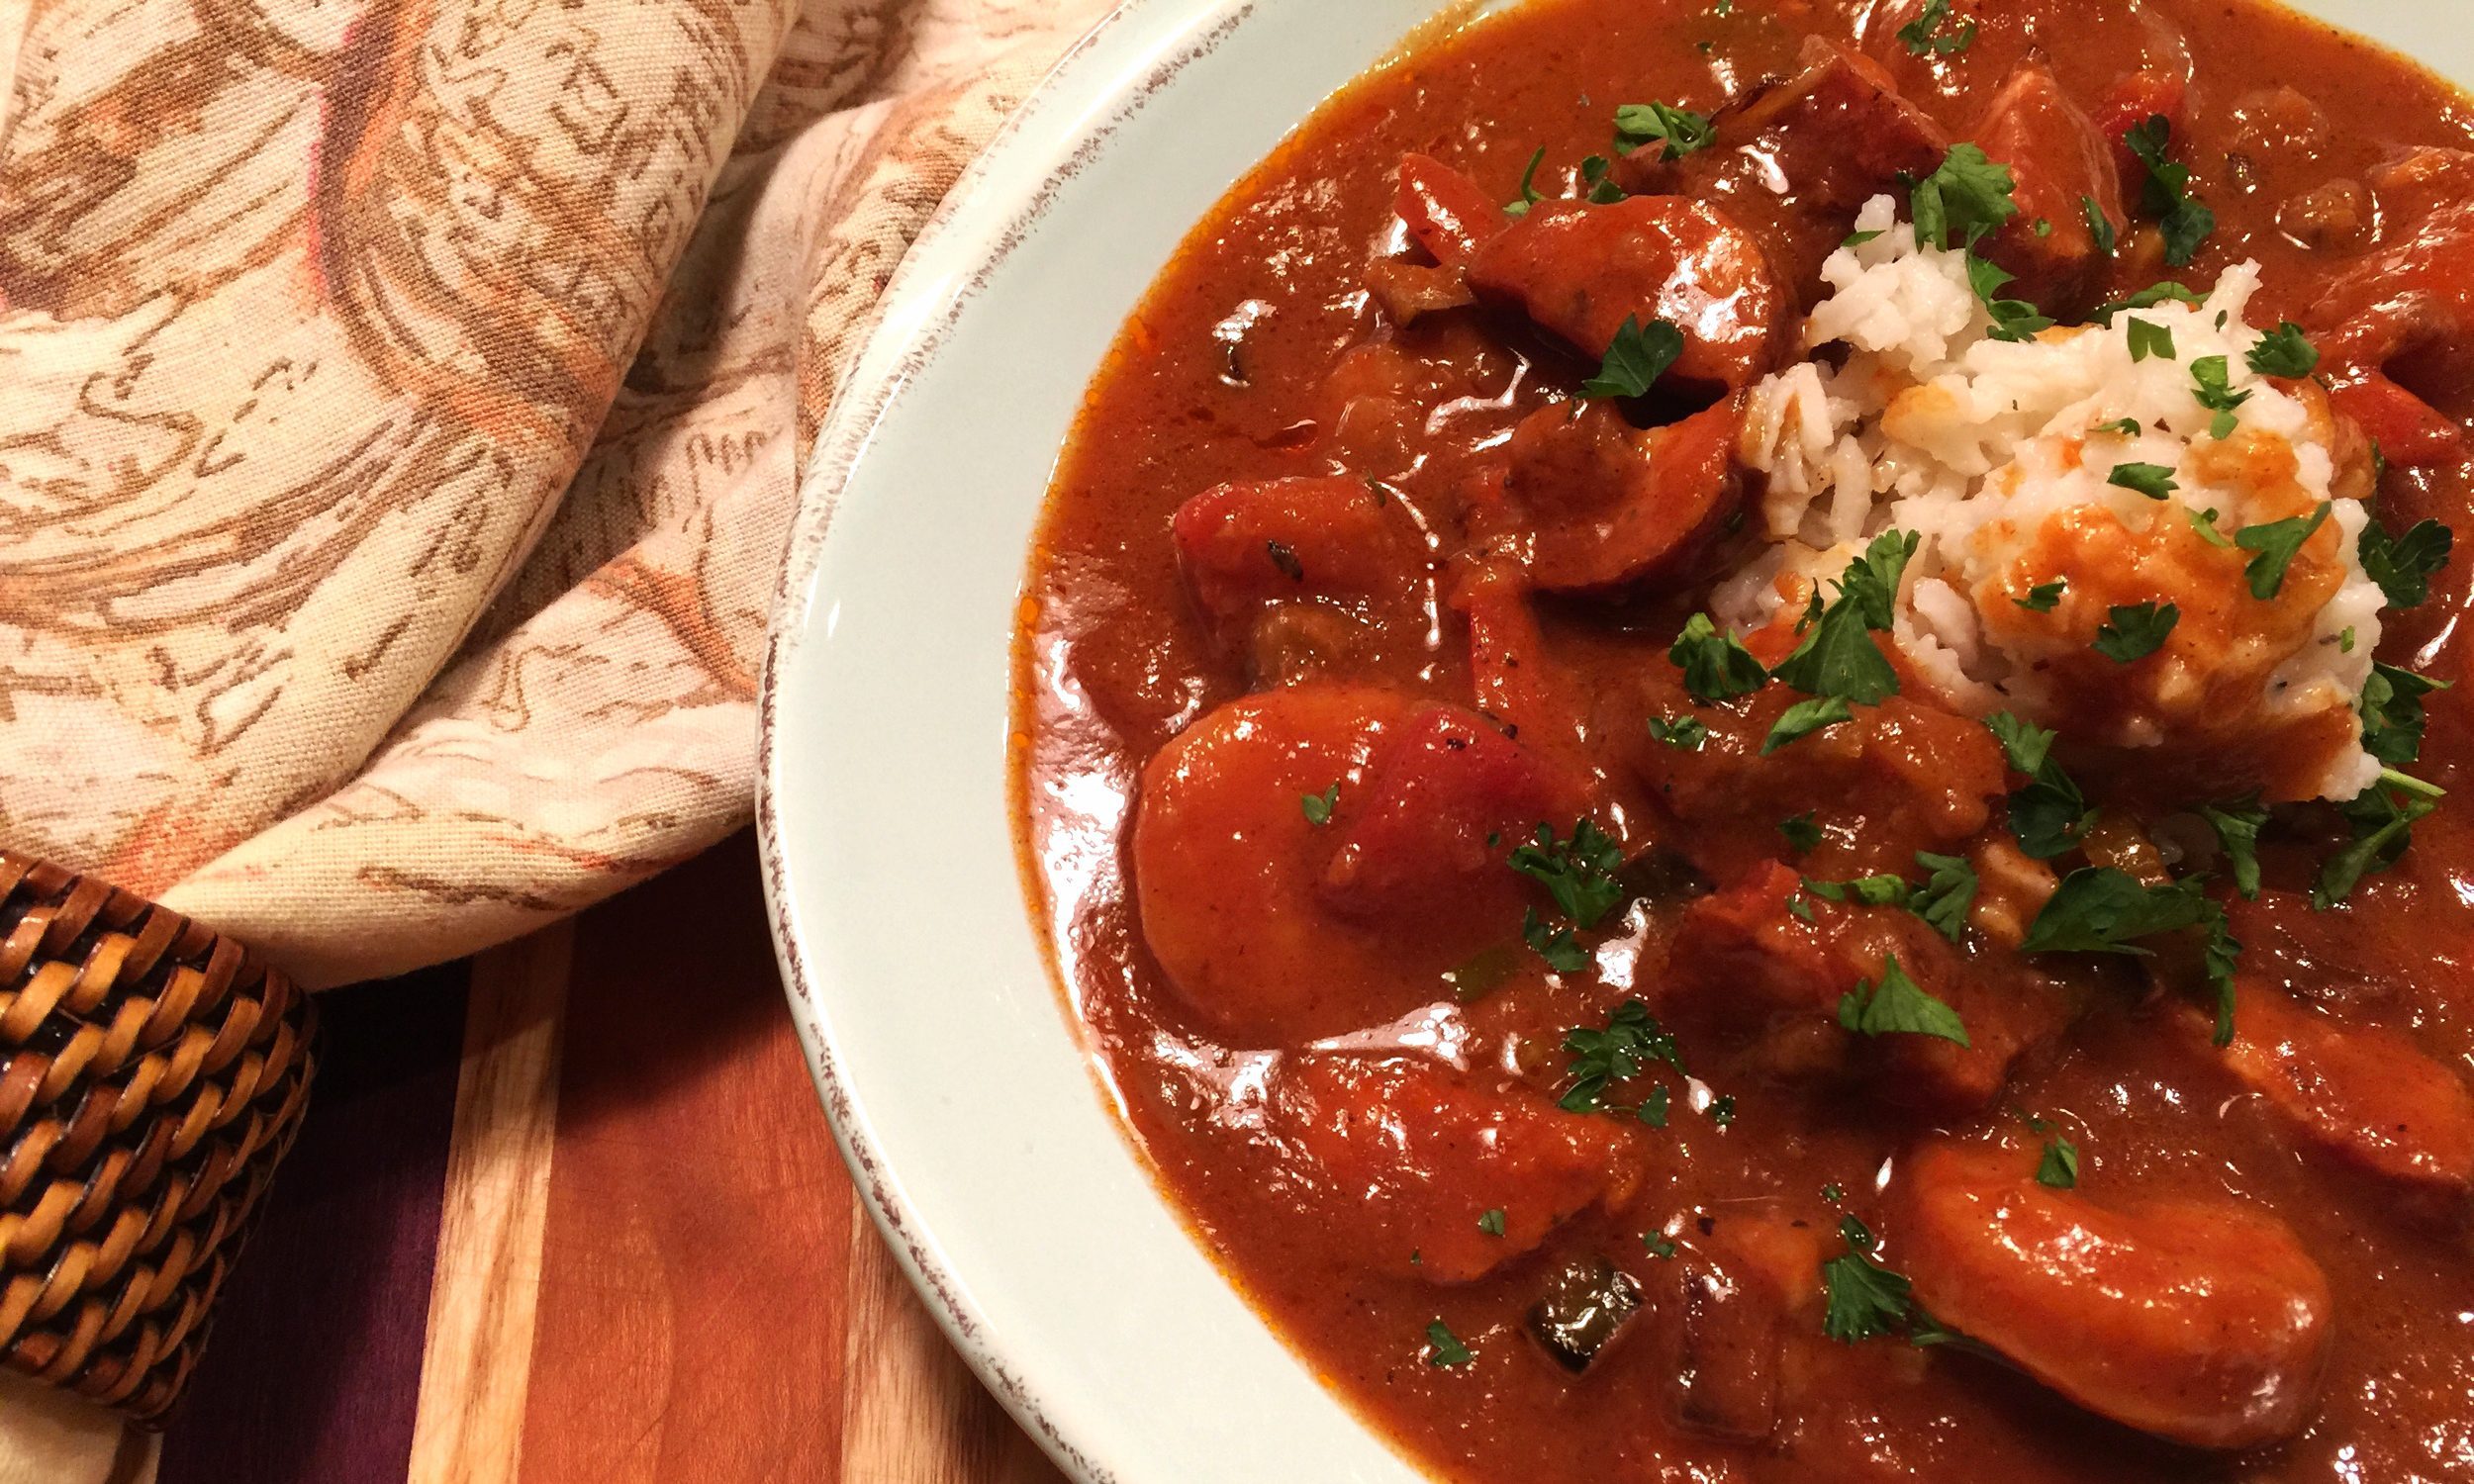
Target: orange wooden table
(571, 1213)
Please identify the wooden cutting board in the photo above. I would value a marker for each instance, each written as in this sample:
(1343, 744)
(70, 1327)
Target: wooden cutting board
(570, 1214)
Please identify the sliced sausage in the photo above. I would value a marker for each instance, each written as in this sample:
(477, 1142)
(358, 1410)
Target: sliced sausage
(1581, 269)
(2203, 1322)
(1250, 547)
(1609, 506)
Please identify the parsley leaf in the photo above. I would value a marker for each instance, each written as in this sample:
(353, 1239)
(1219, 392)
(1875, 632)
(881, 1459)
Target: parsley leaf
(2383, 820)
(2137, 631)
(1801, 832)
(2205, 523)
(1722, 1110)
(1444, 1349)
(2154, 481)
(2276, 542)
(1579, 873)
(2212, 388)
(1679, 130)
(1947, 893)
(2059, 1168)
(2127, 427)
(1925, 35)
(2237, 827)
(2168, 292)
(2043, 598)
(2099, 226)
(2403, 565)
(1860, 238)
(1560, 950)
(1652, 1109)
(1685, 732)
(1491, 1223)
(2392, 712)
(1865, 1298)
(2101, 910)
(1638, 356)
(2013, 319)
(1967, 196)
(1897, 1007)
(2185, 219)
(2149, 339)
(1597, 172)
(1716, 665)
(1318, 807)
(1871, 891)
(1659, 1243)
(2026, 744)
(1838, 656)
(2283, 352)
(1630, 1040)
(1529, 193)
(1804, 718)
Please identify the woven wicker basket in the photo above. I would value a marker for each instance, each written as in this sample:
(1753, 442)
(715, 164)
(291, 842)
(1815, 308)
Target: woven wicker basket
(151, 1076)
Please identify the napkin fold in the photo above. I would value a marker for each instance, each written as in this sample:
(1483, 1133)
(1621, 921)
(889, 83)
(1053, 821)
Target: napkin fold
(401, 409)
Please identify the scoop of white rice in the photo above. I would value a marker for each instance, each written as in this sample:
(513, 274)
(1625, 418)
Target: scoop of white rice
(1927, 423)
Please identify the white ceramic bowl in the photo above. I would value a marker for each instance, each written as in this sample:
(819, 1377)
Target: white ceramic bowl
(958, 1085)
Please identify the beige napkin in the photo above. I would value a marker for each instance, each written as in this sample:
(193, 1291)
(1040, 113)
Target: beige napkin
(400, 403)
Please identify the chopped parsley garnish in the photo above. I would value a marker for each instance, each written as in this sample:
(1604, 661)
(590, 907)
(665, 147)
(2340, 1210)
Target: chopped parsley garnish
(2205, 523)
(1897, 1007)
(2403, 565)
(1865, 1298)
(2147, 338)
(1659, 1243)
(2155, 480)
(1804, 718)
(1965, 198)
(2059, 1168)
(2100, 909)
(2168, 292)
(2392, 712)
(1871, 891)
(2048, 814)
(1557, 945)
(2283, 352)
(1597, 172)
(1492, 1221)
(1652, 1109)
(1839, 657)
(1638, 356)
(2023, 743)
(1716, 665)
(1931, 34)
(1444, 1349)
(2212, 388)
(1579, 873)
(1801, 832)
(2276, 542)
(1318, 807)
(1722, 1110)
(1948, 892)
(2237, 827)
(2184, 218)
(1529, 194)
(2099, 226)
(1630, 1040)
(2044, 226)
(1679, 130)
(1284, 557)
(2013, 319)
(1833, 1193)
(2345, 640)
(1685, 732)
(2383, 820)
(2135, 631)
(1860, 238)
(2043, 598)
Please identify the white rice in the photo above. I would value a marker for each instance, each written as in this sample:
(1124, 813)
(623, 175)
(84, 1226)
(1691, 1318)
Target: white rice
(1929, 425)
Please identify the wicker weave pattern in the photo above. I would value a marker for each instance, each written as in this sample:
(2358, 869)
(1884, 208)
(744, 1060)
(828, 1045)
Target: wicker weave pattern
(151, 1076)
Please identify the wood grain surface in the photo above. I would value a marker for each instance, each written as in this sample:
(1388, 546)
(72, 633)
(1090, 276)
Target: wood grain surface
(571, 1215)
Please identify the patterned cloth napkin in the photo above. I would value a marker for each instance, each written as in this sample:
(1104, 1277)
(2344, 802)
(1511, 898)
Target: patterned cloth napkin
(401, 404)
